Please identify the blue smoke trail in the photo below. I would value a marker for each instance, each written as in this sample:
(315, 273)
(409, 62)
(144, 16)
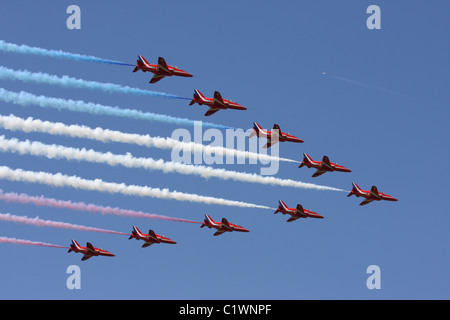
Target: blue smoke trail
(25, 99)
(24, 49)
(66, 81)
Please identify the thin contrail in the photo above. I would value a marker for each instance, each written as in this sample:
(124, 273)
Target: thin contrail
(27, 99)
(69, 82)
(28, 242)
(54, 224)
(41, 201)
(28, 125)
(60, 180)
(369, 86)
(36, 148)
(24, 49)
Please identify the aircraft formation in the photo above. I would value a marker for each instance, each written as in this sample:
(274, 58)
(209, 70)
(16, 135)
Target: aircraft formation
(215, 104)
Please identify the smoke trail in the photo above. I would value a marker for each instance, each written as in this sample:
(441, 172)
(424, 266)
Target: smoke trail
(28, 242)
(23, 198)
(24, 49)
(54, 224)
(65, 81)
(14, 123)
(58, 152)
(60, 180)
(26, 99)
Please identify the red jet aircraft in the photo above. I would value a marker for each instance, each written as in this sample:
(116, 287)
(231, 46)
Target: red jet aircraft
(215, 104)
(221, 227)
(322, 166)
(149, 238)
(371, 195)
(160, 70)
(296, 213)
(274, 136)
(88, 251)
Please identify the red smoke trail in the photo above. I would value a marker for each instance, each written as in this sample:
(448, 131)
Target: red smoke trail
(28, 242)
(49, 223)
(81, 206)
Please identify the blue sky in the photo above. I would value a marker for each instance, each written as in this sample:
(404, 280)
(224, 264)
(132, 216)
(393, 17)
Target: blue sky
(388, 123)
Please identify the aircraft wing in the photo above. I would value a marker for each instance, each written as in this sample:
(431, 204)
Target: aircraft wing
(270, 143)
(326, 162)
(374, 192)
(211, 111)
(218, 232)
(300, 211)
(90, 249)
(218, 99)
(152, 235)
(276, 132)
(148, 243)
(162, 65)
(86, 256)
(318, 173)
(293, 218)
(366, 201)
(156, 78)
(225, 224)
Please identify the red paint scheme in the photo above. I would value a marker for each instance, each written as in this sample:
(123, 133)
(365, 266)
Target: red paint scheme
(89, 251)
(223, 226)
(160, 70)
(274, 136)
(370, 195)
(296, 213)
(149, 238)
(322, 166)
(216, 103)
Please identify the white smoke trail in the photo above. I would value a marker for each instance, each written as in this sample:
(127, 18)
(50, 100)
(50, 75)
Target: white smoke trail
(27, 99)
(66, 81)
(57, 152)
(60, 180)
(14, 123)
(54, 224)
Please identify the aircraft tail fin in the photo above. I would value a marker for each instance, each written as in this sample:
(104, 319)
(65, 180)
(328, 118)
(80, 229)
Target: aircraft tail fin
(256, 128)
(355, 190)
(133, 233)
(281, 207)
(198, 98)
(306, 160)
(143, 60)
(208, 221)
(74, 245)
